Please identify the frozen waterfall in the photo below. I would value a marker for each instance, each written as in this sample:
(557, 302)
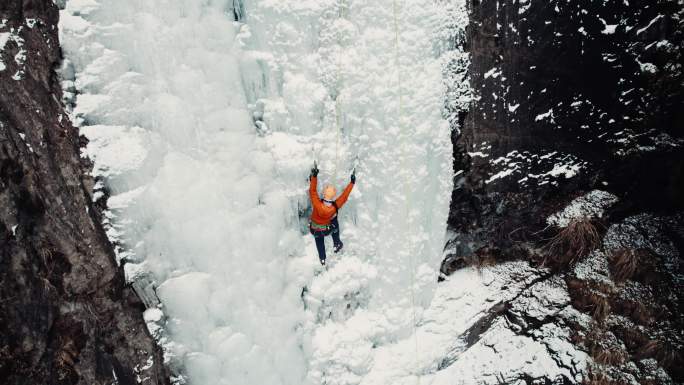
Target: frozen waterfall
(203, 129)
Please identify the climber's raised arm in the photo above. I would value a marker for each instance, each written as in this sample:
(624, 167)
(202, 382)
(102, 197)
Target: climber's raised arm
(313, 188)
(339, 202)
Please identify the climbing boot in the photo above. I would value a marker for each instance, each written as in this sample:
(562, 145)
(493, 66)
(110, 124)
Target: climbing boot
(322, 262)
(338, 247)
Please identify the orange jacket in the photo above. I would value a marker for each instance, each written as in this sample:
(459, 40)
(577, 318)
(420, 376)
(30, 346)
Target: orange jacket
(322, 213)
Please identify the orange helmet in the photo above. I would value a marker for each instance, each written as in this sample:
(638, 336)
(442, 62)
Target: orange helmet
(329, 193)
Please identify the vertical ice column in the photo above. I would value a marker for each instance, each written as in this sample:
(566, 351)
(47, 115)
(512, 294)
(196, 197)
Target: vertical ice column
(344, 61)
(339, 77)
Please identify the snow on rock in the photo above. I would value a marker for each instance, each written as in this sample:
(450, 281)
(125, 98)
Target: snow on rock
(589, 206)
(594, 268)
(547, 115)
(4, 37)
(493, 73)
(608, 29)
(644, 232)
(505, 357)
(134, 270)
(506, 348)
(566, 170)
(543, 299)
(653, 21)
(153, 315)
(535, 168)
(504, 173)
(13, 35)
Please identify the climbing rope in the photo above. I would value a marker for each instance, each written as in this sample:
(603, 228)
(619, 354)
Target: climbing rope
(337, 140)
(406, 183)
(338, 117)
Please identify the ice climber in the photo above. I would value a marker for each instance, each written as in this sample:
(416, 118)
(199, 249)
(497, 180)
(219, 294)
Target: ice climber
(324, 214)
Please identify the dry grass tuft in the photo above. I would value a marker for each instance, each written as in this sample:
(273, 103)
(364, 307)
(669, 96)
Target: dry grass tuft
(575, 241)
(665, 353)
(624, 264)
(640, 312)
(608, 356)
(593, 298)
(598, 378)
(46, 255)
(604, 348)
(482, 259)
(599, 305)
(45, 252)
(649, 349)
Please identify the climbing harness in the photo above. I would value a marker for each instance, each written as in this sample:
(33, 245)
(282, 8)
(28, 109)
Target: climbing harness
(318, 227)
(406, 184)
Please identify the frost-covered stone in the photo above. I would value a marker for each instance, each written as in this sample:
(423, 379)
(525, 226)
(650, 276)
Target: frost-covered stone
(589, 206)
(594, 267)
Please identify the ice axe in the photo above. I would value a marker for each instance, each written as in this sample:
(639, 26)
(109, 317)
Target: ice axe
(314, 170)
(314, 155)
(354, 165)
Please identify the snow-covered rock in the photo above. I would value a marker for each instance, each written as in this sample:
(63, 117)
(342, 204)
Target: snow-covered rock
(591, 205)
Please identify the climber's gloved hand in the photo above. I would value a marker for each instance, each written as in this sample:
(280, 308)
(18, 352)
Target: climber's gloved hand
(353, 178)
(314, 171)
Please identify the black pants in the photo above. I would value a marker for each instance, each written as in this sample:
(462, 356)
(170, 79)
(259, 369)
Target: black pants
(319, 237)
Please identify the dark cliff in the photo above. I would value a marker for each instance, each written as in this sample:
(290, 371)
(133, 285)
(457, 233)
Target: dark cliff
(66, 316)
(581, 100)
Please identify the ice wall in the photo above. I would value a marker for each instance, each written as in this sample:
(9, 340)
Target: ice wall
(346, 79)
(204, 128)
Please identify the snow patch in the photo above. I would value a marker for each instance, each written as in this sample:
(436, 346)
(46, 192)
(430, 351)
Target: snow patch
(589, 206)
(493, 73)
(153, 315)
(513, 107)
(501, 174)
(501, 354)
(547, 115)
(648, 67)
(523, 6)
(4, 38)
(608, 29)
(478, 154)
(655, 19)
(566, 170)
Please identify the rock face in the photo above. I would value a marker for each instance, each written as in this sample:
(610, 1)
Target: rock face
(66, 316)
(571, 157)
